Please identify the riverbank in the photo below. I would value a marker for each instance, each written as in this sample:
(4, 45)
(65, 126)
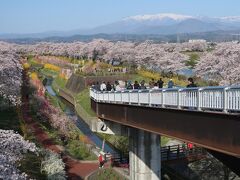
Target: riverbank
(70, 112)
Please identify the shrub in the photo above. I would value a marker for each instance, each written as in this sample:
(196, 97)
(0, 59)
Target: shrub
(78, 150)
(53, 166)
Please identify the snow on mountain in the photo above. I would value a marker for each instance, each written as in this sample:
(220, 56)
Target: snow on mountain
(149, 17)
(231, 18)
(179, 17)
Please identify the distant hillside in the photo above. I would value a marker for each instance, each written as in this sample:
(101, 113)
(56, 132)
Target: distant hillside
(214, 36)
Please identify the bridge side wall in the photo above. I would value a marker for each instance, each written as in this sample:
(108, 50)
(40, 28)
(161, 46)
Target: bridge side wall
(216, 131)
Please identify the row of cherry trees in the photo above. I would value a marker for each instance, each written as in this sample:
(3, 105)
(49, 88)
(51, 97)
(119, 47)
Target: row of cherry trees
(148, 54)
(220, 64)
(10, 73)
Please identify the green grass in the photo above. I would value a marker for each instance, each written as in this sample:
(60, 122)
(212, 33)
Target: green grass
(60, 82)
(47, 72)
(9, 120)
(119, 142)
(79, 150)
(55, 101)
(83, 99)
(104, 174)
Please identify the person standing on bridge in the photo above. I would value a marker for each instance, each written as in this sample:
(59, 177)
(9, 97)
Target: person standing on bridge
(191, 83)
(170, 83)
(117, 86)
(142, 85)
(103, 86)
(97, 86)
(109, 86)
(151, 83)
(129, 85)
(160, 83)
(136, 85)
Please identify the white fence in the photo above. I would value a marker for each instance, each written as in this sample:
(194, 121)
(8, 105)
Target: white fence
(226, 99)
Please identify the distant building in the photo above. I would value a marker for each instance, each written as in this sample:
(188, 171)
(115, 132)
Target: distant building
(197, 40)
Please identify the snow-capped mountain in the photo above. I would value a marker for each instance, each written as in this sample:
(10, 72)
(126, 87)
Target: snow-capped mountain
(168, 24)
(159, 24)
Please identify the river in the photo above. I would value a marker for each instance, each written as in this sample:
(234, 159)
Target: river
(84, 128)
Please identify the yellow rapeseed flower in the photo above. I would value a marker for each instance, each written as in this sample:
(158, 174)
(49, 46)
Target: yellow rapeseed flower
(34, 76)
(26, 66)
(52, 67)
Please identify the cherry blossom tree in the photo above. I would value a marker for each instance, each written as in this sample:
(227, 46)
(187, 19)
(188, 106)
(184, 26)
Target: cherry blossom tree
(12, 148)
(10, 75)
(222, 64)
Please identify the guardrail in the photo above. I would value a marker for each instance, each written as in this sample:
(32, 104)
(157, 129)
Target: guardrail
(175, 152)
(225, 99)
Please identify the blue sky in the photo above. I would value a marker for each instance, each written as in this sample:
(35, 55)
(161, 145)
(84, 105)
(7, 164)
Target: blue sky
(31, 16)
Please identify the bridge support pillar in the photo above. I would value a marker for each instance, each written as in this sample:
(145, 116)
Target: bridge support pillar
(144, 155)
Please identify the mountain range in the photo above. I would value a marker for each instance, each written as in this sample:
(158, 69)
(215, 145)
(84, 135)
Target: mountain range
(157, 24)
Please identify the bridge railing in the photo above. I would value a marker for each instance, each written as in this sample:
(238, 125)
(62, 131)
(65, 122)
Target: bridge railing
(226, 99)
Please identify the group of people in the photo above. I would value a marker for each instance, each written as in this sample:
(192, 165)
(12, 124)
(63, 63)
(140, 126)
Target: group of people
(107, 86)
(136, 85)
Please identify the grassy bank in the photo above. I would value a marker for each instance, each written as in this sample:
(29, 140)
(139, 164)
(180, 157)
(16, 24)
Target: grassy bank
(83, 99)
(104, 174)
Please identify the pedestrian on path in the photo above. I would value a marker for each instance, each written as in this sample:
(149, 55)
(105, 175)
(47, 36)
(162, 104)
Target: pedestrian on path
(101, 161)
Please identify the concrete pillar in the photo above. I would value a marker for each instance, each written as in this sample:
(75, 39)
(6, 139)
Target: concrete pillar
(144, 155)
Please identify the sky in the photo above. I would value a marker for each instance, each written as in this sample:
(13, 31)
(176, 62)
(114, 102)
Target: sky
(32, 16)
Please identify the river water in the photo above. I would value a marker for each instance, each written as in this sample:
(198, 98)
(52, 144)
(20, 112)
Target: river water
(84, 128)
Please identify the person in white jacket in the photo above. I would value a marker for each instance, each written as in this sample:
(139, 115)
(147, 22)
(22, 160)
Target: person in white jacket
(103, 86)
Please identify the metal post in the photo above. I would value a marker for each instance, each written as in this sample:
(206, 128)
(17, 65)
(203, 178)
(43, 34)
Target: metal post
(121, 96)
(150, 97)
(225, 100)
(129, 94)
(199, 99)
(178, 99)
(163, 98)
(139, 97)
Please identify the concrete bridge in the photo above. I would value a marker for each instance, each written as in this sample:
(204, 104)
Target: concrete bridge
(207, 116)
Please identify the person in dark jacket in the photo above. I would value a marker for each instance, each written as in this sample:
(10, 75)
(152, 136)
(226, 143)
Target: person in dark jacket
(142, 85)
(109, 86)
(97, 86)
(136, 85)
(160, 83)
(191, 83)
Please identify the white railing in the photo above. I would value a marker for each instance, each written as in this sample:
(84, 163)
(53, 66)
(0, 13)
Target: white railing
(226, 99)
